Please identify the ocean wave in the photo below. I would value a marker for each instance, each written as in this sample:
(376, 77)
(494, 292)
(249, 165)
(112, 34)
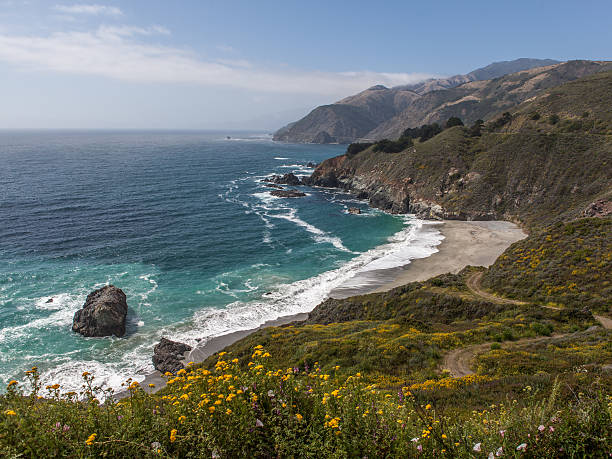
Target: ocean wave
(302, 296)
(133, 359)
(318, 234)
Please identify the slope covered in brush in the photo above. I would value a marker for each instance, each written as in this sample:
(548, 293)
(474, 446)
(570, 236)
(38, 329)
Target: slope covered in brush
(545, 160)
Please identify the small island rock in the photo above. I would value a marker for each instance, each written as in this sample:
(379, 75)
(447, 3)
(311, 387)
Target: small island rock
(103, 313)
(287, 193)
(168, 355)
(354, 210)
(287, 179)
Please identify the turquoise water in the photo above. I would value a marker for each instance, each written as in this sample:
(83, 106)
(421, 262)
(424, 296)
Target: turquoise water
(181, 222)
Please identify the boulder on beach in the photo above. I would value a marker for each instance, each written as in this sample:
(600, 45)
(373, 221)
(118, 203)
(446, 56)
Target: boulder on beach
(287, 193)
(103, 313)
(168, 355)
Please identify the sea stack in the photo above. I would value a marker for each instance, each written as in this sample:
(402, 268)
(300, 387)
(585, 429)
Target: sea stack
(103, 314)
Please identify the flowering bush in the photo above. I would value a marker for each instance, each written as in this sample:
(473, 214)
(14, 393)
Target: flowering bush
(254, 410)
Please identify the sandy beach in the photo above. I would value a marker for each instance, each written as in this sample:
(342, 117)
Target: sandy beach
(476, 243)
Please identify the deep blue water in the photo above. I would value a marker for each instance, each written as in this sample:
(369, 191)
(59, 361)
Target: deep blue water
(182, 223)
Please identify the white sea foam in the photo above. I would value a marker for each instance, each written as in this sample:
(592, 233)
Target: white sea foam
(318, 234)
(415, 241)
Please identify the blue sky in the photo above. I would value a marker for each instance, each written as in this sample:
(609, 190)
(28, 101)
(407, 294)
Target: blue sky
(257, 64)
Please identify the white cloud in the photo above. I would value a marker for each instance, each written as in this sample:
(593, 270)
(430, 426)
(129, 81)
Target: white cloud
(115, 32)
(115, 52)
(94, 9)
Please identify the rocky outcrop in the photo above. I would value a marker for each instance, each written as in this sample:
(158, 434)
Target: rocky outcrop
(287, 179)
(287, 193)
(323, 137)
(354, 210)
(599, 208)
(103, 314)
(168, 355)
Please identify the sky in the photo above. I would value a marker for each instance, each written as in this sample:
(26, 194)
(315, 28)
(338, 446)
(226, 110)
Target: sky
(208, 64)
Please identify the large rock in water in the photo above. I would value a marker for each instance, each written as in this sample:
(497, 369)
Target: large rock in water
(103, 313)
(287, 179)
(168, 355)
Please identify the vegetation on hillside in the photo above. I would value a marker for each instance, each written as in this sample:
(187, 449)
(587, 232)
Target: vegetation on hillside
(566, 265)
(259, 410)
(517, 167)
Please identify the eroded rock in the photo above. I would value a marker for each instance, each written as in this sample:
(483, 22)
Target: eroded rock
(103, 314)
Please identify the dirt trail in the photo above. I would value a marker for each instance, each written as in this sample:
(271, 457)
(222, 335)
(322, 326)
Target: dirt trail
(473, 283)
(459, 361)
(604, 321)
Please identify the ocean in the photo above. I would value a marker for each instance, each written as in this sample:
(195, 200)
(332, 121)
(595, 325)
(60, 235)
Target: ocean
(182, 223)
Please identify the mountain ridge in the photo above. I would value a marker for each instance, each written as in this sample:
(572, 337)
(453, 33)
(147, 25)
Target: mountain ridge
(522, 168)
(380, 112)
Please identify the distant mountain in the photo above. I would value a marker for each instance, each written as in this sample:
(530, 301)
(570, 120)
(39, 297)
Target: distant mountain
(356, 116)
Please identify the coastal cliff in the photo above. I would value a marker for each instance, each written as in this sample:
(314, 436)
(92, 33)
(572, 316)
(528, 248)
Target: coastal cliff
(543, 161)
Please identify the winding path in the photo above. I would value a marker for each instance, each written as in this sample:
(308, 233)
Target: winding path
(459, 361)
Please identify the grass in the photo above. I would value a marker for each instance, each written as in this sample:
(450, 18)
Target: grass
(259, 410)
(526, 170)
(400, 336)
(563, 265)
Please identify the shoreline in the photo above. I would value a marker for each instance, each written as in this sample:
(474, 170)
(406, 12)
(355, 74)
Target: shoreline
(205, 349)
(476, 243)
(465, 243)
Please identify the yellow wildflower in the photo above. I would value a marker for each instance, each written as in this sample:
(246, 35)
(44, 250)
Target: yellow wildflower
(90, 440)
(173, 435)
(181, 419)
(299, 417)
(10, 413)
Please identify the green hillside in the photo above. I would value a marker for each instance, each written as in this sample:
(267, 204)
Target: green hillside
(547, 161)
(565, 265)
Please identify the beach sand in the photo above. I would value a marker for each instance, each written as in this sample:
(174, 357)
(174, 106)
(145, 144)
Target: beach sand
(476, 243)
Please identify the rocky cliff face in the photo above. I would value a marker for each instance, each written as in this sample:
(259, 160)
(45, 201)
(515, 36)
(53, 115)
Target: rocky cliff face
(546, 163)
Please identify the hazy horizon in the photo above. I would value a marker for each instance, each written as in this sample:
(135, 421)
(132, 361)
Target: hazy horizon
(156, 65)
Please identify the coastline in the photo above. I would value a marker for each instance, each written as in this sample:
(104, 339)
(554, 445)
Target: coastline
(476, 243)
(207, 348)
(465, 243)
